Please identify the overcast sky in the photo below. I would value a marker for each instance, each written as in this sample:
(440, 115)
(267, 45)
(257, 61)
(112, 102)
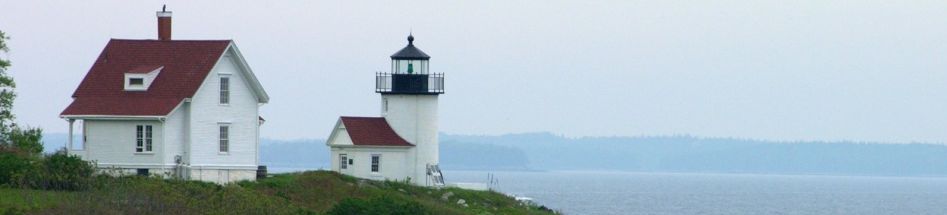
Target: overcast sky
(777, 70)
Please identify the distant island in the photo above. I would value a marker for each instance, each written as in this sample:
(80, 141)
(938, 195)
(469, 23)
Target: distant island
(545, 151)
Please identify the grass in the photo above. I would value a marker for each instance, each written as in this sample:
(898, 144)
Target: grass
(16, 201)
(314, 192)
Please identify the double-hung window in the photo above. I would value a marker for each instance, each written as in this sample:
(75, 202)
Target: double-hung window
(143, 142)
(376, 162)
(224, 138)
(343, 161)
(224, 90)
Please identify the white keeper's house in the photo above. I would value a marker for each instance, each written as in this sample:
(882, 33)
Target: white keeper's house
(181, 108)
(402, 143)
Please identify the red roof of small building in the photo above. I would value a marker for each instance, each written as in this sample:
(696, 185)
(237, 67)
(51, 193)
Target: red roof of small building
(186, 63)
(372, 131)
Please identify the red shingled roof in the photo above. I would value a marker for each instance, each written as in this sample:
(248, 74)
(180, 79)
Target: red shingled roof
(186, 63)
(372, 131)
(144, 69)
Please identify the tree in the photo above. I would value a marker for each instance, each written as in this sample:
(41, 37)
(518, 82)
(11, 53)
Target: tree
(21, 160)
(24, 139)
(28, 140)
(7, 95)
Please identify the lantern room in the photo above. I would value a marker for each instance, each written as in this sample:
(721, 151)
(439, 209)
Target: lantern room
(410, 73)
(410, 60)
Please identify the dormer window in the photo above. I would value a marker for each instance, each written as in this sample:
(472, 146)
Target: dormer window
(136, 81)
(140, 78)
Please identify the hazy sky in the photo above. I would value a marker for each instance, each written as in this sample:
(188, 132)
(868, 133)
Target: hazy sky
(778, 70)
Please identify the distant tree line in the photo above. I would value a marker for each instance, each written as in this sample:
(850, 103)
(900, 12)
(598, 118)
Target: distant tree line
(721, 155)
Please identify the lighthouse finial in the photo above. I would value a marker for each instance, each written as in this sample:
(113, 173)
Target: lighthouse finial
(410, 39)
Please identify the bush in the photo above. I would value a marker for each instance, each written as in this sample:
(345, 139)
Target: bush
(58, 171)
(63, 172)
(20, 156)
(379, 205)
(14, 165)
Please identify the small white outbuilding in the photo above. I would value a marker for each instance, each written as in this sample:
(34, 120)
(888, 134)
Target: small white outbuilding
(402, 144)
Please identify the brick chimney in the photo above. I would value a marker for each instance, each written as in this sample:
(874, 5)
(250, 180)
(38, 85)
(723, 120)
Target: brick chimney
(164, 24)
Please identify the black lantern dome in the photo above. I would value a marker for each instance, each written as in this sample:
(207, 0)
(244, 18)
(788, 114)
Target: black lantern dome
(410, 52)
(410, 73)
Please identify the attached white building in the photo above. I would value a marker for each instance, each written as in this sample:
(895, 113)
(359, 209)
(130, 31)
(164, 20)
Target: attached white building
(401, 144)
(180, 108)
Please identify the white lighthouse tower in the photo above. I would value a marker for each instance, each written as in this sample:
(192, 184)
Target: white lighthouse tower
(402, 144)
(409, 104)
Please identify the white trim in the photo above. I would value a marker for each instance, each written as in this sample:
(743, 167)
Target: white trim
(262, 96)
(205, 166)
(163, 14)
(225, 166)
(332, 134)
(114, 117)
(254, 83)
(371, 146)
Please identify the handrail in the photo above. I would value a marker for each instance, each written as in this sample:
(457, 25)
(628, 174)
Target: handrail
(409, 83)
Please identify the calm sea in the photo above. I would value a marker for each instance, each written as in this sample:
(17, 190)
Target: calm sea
(679, 193)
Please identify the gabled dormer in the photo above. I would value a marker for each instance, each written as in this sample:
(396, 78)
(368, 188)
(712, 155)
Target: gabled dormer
(140, 78)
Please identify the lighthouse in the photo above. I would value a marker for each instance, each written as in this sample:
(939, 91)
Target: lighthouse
(401, 144)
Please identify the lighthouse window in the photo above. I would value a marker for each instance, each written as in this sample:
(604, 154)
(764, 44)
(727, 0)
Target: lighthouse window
(376, 162)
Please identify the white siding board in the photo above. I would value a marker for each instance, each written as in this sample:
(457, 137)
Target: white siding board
(174, 134)
(115, 141)
(241, 114)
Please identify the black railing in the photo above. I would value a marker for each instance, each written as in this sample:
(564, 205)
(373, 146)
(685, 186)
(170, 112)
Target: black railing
(409, 83)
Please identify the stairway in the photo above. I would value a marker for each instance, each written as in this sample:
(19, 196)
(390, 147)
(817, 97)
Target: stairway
(434, 173)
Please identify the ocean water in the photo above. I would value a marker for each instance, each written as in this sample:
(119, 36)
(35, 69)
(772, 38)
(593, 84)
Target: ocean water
(685, 193)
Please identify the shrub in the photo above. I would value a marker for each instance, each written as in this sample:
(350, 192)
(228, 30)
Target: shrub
(58, 171)
(379, 205)
(13, 165)
(64, 172)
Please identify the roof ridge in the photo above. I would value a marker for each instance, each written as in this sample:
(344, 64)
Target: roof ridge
(363, 117)
(156, 40)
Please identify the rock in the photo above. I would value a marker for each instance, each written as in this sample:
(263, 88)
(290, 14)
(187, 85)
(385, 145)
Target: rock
(402, 190)
(462, 202)
(447, 196)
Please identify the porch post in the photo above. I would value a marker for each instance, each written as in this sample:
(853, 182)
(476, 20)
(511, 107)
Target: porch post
(69, 143)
